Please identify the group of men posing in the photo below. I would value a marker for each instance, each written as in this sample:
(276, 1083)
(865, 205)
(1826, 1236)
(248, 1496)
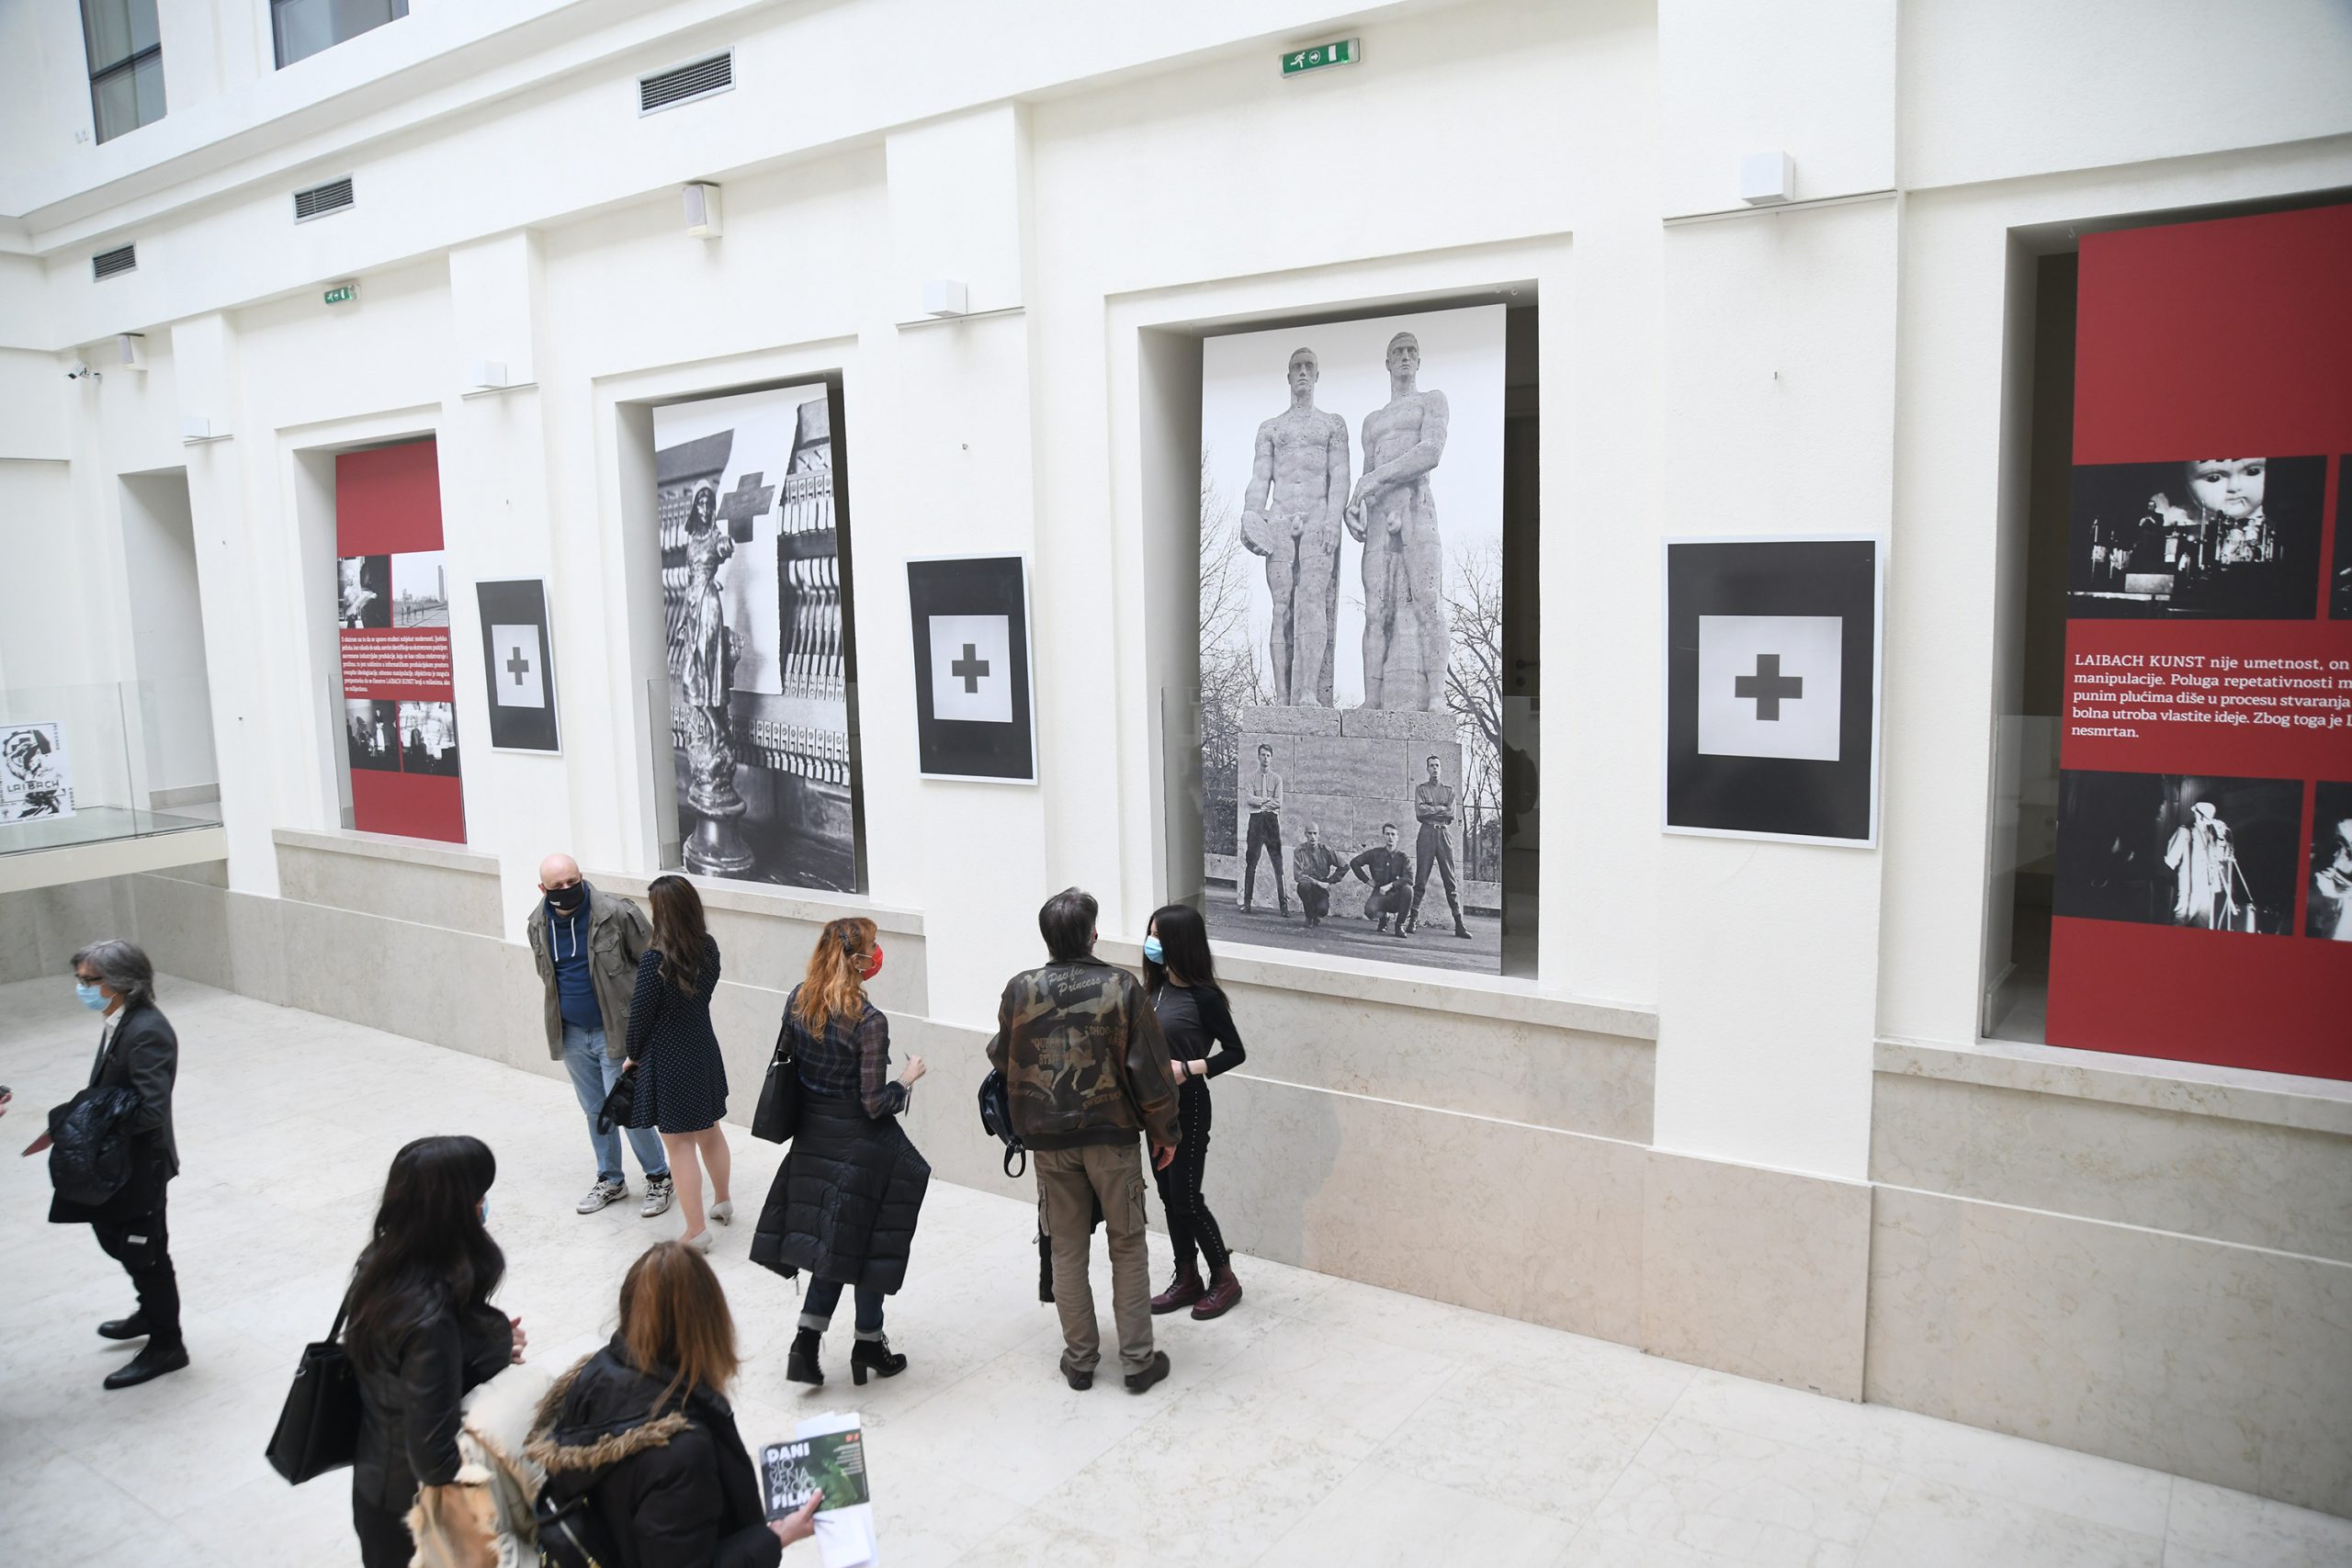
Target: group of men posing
(1398, 884)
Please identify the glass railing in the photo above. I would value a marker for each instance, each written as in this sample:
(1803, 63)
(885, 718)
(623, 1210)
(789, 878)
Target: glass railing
(83, 764)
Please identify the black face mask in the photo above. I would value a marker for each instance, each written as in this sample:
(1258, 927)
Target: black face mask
(567, 900)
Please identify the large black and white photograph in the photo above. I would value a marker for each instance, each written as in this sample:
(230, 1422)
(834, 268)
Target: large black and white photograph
(420, 590)
(2214, 538)
(35, 780)
(1350, 636)
(517, 664)
(971, 615)
(2330, 912)
(2339, 592)
(1773, 688)
(363, 592)
(429, 739)
(371, 734)
(755, 595)
(2221, 854)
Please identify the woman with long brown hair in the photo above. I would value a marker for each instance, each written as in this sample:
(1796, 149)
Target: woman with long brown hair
(844, 1204)
(644, 1463)
(681, 1079)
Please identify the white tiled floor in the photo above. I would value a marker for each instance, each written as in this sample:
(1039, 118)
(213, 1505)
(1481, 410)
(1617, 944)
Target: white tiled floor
(1323, 1422)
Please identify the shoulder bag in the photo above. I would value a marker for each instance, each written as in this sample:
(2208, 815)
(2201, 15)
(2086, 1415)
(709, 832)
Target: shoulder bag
(620, 1104)
(778, 1117)
(318, 1428)
(996, 1120)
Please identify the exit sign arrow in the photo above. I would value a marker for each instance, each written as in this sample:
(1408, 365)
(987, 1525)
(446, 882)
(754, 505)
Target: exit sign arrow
(1344, 52)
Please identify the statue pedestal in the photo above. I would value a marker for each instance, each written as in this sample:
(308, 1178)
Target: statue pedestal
(1347, 771)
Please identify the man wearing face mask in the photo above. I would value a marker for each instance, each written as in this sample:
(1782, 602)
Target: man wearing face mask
(587, 946)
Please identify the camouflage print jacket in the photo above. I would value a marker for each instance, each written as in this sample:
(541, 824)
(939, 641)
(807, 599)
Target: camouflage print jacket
(1083, 1058)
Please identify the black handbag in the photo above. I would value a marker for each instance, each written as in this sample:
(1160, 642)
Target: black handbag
(778, 1117)
(996, 1120)
(318, 1428)
(620, 1104)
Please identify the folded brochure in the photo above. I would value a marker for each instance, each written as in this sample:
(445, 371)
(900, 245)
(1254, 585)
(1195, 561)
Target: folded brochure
(826, 1453)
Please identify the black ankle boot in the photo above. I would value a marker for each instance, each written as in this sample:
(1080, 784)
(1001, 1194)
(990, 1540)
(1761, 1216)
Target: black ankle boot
(800, 1364)
(874, 1355)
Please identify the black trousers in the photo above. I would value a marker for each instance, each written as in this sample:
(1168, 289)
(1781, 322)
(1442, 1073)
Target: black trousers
(1191, 1227)
(1433, 847)
(384, 1541)
(1314, 897)
(142, 1246)
(1265, 833)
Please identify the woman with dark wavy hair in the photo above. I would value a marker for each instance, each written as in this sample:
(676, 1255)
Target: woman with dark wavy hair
(681, 1078)
(421, 1332)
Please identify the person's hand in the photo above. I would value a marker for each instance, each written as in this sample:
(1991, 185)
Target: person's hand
(627, 1063)
(1162, 1155)
(1176, 1068)
(36, 1146)
(800, 1524)
(520, 1340)
(914, 1069)
(1197, 1068)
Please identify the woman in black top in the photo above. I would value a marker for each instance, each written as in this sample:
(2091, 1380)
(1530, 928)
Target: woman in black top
(844, 1204)
(681, 1079)
(421, 1331)
(1203, 1042)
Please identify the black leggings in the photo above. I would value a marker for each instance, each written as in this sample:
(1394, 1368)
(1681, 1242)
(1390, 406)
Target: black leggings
(1190, 1224)
(384, 1541)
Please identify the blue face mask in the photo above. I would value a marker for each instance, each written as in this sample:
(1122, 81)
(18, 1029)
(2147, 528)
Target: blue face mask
(481, 1211)
(1152, 951)
(90, 996)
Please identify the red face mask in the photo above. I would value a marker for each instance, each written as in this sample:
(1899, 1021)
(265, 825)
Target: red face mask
(873, 963)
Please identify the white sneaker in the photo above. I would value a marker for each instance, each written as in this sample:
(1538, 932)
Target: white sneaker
(699, 1241)
(658, 1191)
(723, 1212)
(602, 1193)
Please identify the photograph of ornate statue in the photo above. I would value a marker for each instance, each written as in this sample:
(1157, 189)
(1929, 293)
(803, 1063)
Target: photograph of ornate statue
(754, 589)
(2234, 538)
(1350, 628)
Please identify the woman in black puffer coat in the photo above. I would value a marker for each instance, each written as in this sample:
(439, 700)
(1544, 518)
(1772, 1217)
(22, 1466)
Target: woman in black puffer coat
(643, 1432)
(844, 1204)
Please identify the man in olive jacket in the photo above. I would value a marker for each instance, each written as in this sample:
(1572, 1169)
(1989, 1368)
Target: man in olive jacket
(1085, 1069)
(587, 946)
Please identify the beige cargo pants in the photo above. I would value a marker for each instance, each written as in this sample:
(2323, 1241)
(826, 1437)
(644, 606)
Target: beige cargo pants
(1069, 1183)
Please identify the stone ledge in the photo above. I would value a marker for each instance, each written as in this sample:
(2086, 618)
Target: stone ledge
(388, 846)
(2239, 1094)
(783, 903)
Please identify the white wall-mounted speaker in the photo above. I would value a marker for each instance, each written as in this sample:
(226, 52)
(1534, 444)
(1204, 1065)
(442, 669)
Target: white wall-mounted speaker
(194, 427)
(1766, 179)
(486, 374)
(702, 211)
(131, 350)
(945, 297)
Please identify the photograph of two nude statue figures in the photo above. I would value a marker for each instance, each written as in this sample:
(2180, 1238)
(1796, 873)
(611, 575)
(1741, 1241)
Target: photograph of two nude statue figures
(1352, 484)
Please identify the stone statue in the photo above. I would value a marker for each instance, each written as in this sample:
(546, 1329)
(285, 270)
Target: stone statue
(701, 660)
(1299, 485)
(1395, 515)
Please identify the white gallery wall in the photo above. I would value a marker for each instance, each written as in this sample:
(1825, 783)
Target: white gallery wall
(1843, 365)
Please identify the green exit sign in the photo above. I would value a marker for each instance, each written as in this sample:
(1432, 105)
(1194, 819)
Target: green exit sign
(343, 294)
(1343, 52)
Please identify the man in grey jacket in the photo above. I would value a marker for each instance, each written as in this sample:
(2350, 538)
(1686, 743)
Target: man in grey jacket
(587, 946)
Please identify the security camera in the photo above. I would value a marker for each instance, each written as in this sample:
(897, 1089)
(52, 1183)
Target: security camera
(80, 370)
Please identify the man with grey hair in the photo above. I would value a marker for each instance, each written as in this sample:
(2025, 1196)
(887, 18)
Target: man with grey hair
(137, 1050)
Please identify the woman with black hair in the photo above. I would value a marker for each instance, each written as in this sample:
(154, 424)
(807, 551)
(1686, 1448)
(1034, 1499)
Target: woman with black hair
(421, 1331)
(1203, 1043)
(681, 1078)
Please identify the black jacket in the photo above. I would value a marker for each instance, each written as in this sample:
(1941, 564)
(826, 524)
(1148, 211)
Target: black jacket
(408, 1427)
(142, 1056)
(845, 1202)
(674, 1489)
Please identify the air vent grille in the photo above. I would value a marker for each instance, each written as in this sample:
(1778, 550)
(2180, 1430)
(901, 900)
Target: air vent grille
(319, 200)
(110, 264)
(667, 89)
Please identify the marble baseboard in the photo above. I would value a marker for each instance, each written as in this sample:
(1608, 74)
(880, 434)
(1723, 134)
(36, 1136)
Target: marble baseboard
(2220, 1362)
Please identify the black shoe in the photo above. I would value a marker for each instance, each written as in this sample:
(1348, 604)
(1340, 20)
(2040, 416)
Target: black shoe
(1138, 1382)
(151, 1362)
(1081, 1382)
(874, 1355)
(131, 1327)
(800, 1361)
(1459, 933)
(1400, 933)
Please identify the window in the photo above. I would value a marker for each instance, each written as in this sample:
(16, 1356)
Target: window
(126, 64)
(305, 27)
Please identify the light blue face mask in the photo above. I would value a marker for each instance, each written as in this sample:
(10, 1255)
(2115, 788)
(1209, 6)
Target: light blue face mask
(90, 996)
(1152, 952)
(481, 1211)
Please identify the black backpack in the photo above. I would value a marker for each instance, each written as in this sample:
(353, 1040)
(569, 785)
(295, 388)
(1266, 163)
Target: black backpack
(570, 1533)
(996, 1120)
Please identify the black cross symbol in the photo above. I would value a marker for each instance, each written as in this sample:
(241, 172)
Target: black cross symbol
(969, 668)
(747, 501)
(1767, 686)
(518, 664)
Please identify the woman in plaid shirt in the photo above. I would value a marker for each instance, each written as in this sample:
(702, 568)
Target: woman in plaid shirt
(843, 1205)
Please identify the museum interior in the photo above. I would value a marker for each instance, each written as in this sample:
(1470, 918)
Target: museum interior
(1639, 567)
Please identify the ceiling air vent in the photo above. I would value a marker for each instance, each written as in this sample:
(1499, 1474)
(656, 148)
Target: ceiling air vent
(667, 89)
(319, 200)
(110, 264)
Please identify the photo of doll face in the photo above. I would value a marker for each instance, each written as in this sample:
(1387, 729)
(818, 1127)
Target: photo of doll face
(2228, 487)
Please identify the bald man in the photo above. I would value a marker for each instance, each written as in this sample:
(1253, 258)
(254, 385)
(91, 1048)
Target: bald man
(587, 946)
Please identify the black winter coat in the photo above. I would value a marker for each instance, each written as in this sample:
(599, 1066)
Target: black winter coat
(144, 1057)
(845, 1202)
(672, 1490)
(409, 1405)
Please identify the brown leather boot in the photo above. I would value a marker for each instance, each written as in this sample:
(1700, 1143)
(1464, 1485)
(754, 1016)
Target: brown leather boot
(1224, 1291)
(1182, 1292)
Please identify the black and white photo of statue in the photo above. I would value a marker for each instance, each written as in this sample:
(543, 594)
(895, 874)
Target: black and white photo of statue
(754, 589)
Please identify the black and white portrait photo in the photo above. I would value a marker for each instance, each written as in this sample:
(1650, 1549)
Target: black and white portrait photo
(755, 591)
(1350, 636)
(420, 590)
(429, 737)
(363, 592)
(36, 783)
(2220, 539)
(2219, 855)
(371, 734)
(2330, 914)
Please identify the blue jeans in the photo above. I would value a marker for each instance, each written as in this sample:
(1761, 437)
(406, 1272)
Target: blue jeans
(824, 1295)
(593, 1077)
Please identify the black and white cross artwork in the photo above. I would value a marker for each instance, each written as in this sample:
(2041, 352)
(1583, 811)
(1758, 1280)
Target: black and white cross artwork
(518, 665)
(1772, 666)
(972, 709)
